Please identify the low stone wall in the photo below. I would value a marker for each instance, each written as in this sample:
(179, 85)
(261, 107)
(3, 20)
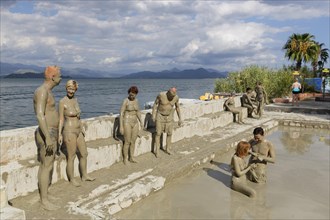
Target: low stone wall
(19, 165)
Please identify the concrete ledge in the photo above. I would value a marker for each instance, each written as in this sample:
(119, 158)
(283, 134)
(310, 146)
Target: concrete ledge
(19, 144)
(20, 176)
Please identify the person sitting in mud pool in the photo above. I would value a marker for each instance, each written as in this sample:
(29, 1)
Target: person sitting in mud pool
(240, 169)
(229, 105)
(247, 102)
(263, 152)
(163, 115)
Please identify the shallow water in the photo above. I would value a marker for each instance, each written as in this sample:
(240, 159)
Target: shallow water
(297, 187)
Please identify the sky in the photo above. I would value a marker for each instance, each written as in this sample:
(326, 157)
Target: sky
(129, 36)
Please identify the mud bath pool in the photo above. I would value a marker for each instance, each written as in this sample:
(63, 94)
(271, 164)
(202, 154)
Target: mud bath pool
(297, 187)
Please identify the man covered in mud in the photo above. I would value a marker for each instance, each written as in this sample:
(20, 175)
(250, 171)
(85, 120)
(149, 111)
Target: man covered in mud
(263, 152)
(163, 116)
(246, 101)
(261, 98)
(47, 132)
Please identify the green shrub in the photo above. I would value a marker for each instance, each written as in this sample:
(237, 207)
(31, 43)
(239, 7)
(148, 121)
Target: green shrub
(276, 82)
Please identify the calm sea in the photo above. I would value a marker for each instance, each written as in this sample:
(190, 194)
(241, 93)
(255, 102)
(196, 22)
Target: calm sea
(95, 96)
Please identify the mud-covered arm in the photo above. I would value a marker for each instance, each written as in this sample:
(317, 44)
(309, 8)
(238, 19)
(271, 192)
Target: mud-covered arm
(178, 111)
(271, 154)
(79, 114)
(61, 121)
(41, 97)
(237, 168)
(154, 108)
(121, 116)
(138, 114)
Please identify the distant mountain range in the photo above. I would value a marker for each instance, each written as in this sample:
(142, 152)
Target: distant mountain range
(31, 75)
(31, 71)
(16, 69)
(199, 73)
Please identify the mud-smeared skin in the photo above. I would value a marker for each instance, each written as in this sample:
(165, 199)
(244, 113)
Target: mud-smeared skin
(46, 134)
(163, 115)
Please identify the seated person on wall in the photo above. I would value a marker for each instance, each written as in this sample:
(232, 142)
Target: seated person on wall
(240, 169)
(163, 116)
(262, 152)
(247, 102)
(72, 133)
(130, 117)
(229, 105)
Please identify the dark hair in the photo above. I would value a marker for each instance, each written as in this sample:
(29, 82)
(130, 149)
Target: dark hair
(242, 148)
(133, 89)
(258, 130)
(248, 89)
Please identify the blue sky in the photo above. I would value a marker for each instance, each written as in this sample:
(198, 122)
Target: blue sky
(130, 36)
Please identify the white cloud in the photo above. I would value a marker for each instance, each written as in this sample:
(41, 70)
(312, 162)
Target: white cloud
(144, 35)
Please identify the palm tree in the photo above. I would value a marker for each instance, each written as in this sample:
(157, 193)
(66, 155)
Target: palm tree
(320, 58)
(300, 48)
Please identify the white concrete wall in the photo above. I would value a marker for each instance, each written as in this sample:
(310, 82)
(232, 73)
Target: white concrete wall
(19, 165)
(19, 144)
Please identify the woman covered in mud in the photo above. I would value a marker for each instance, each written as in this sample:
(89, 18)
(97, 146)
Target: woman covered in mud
(240, 168)
(72, 133)
(130, 117)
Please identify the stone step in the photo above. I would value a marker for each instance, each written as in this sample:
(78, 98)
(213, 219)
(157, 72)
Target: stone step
(20, 177)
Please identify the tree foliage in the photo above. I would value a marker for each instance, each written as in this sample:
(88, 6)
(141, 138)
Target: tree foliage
(276, 82)
(301, 48)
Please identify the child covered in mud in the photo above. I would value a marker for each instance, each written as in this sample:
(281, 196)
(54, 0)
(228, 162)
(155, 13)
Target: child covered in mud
(240, 169)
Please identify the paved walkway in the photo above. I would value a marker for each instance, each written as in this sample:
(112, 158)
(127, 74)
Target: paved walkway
(309, 105)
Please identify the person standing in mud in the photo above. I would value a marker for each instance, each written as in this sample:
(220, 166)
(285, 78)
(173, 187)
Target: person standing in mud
(240, 169)
(229, 105)
(163, 115)
(72, 133)
(47, 132)
(130, 117)
(261, 97)
(246, 102)
(263, 152)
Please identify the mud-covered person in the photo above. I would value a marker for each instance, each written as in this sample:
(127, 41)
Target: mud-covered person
(47, 133)
(72, 133)
(130, 123)
(240, 169)
(247, 102)
(261, 98)
(263, 152)
(163, 115)
(229, 105)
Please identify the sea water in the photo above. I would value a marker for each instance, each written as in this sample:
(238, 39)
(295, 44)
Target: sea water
(95, 96)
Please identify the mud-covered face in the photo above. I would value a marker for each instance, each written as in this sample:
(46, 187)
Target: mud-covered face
(258, 137)
(70, 90)
(57, 78)
(171, 94)
(131, 95)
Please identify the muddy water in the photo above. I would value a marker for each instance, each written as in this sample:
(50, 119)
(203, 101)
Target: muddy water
(297, 187)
